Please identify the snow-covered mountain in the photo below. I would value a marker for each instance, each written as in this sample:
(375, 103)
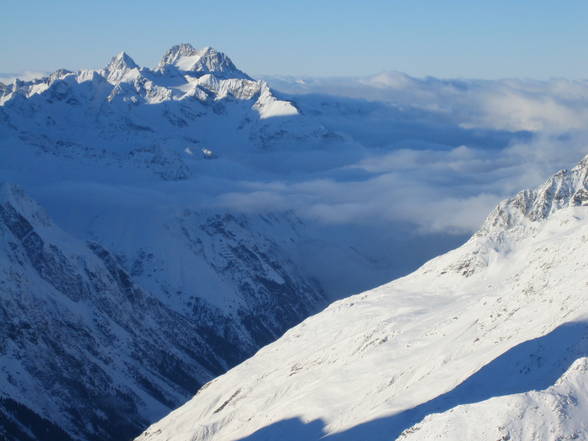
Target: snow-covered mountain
(124, 287)
(94, 347)
(486, 342)
(158, 118)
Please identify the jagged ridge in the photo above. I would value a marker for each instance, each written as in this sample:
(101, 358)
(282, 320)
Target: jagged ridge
(86, 351)
(149, 117)
(566, 188)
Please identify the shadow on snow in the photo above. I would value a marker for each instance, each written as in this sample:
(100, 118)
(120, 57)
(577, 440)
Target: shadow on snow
(532, 365)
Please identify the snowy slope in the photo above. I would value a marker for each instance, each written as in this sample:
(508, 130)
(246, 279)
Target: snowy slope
(488, 341)
(83, 342)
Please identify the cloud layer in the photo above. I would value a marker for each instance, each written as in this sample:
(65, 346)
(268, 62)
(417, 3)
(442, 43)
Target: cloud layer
(24, 76)
(509, 104)
(451, 190)
(438, 154)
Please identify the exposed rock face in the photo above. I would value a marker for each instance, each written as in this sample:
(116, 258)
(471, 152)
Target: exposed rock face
(208, 60)
(518, 217)
(567, 188)
(87, 353)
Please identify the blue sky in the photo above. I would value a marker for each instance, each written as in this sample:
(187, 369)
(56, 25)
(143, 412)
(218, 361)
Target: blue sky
(450, 38)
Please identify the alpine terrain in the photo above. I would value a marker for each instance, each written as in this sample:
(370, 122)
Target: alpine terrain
(487, 342)
(123, 287)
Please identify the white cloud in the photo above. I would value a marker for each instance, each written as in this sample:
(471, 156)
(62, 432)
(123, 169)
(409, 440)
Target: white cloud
(438, 154)
(24, 76)
(499, 105)
(435, 154)
(451, 190)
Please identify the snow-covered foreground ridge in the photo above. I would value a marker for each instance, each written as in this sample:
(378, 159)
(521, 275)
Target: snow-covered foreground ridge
(487, 342)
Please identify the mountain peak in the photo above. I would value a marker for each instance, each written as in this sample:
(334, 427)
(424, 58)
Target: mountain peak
(566, 188)
(119, 67)
(185, 58)
(175, 52)
(121, 61)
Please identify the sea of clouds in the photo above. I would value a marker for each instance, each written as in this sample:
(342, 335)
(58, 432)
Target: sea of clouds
(438, 154)
(411, 168)
(23, 76)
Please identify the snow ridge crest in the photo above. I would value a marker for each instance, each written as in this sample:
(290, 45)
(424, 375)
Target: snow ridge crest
(516, 219)
(185, 58)
(121, 61)
(566, 188)
(184, 73)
